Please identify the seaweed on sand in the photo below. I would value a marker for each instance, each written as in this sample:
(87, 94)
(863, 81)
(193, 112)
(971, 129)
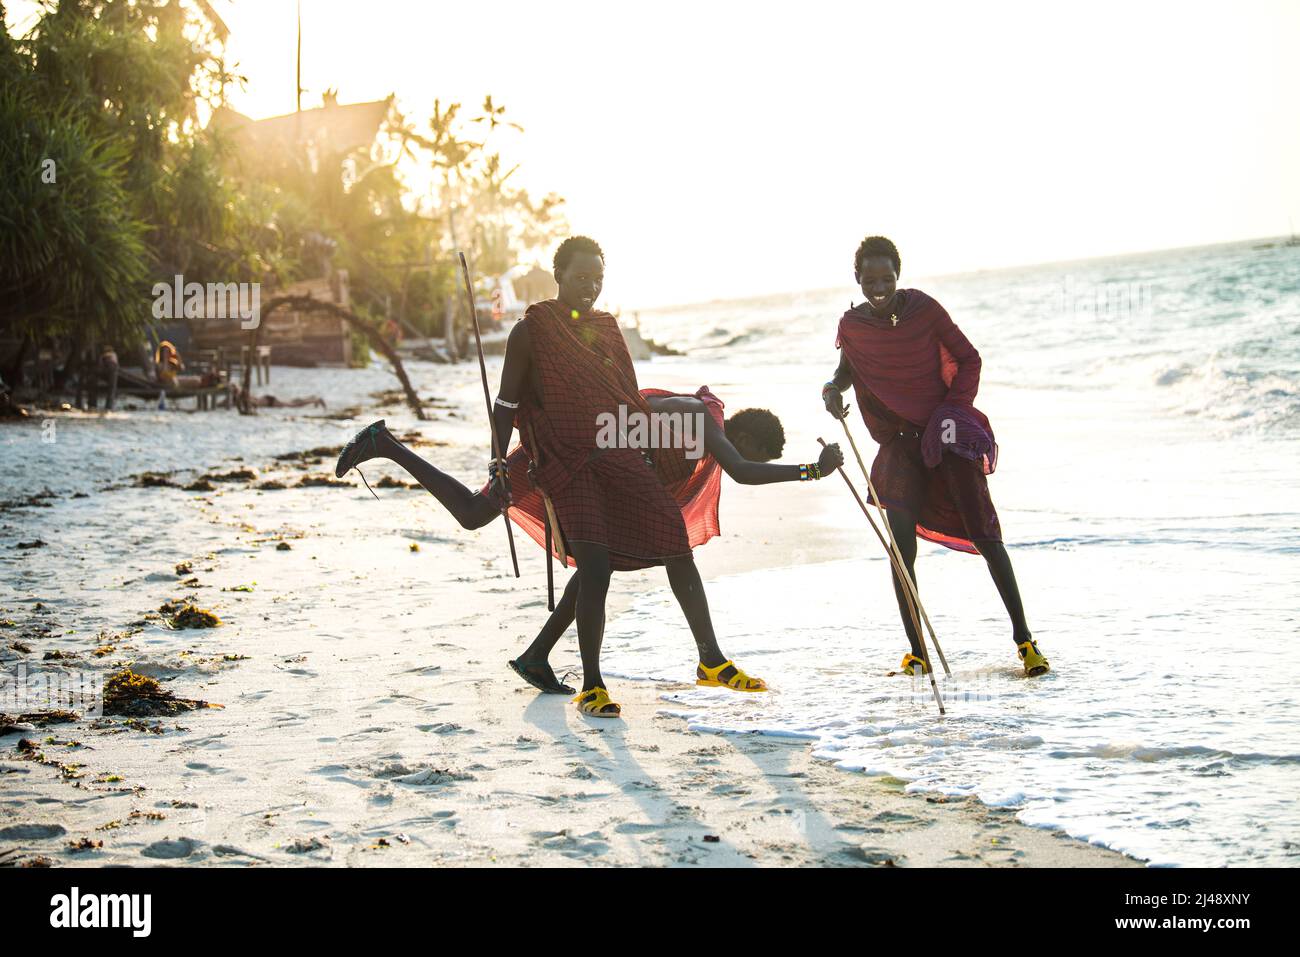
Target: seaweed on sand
(135, 695)
(185, 614)
(322, 481)
(154, 480)
(320, 452)
(234, 475)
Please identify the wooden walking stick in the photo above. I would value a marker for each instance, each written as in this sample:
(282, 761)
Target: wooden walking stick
(550, 522)
(895, 563)
(893, 559)
(908, 584)
(911, 608)
(482, 368)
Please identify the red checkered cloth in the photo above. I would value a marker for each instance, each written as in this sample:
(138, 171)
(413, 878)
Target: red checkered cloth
(696, 496)
(610, 497)
(903, 374)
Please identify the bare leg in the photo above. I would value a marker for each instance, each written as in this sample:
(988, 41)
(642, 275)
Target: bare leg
(903, 525)
(684, 578)
(534, 659)
(468, 507)
(999, 562)
(593, 578)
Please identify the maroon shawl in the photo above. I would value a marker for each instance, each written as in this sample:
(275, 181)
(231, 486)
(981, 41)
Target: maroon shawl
(697, 494)
(585, 371)
(925, 371)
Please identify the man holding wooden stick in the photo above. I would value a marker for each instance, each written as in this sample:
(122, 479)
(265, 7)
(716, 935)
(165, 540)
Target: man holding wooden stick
(915, 377)
(567, 367)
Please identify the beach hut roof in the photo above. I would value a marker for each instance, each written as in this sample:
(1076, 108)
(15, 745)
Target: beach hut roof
(329, 128)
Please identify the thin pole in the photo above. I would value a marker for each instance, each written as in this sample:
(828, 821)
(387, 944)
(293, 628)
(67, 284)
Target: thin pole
(298, 75)
(908, 584)
(894, 560)
(487, 398)
(925, 654)
(893, 545)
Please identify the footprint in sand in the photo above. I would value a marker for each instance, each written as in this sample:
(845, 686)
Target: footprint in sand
(330, 769)
(376, 729)
(225, 850)
(591, 844)
(445, 727)
(870, 855)
(31, 832)
(168, 849)
(859, 829)
(897, 817)
(735, 789)
(424, 671)
(634, 827)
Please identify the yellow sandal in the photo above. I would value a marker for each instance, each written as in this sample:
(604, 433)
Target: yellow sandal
(595, 702)
(910, 661)
(1035, 663)
(709, 678)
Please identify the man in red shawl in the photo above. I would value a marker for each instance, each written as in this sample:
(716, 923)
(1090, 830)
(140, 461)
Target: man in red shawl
(566, 367)
(915, 377)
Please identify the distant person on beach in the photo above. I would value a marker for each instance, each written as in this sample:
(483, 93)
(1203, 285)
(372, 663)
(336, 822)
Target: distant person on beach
(108, 372)
(566, 365)
(915, 377)
(742, 446)
(167, 365)
(272, 402)
(45, 365)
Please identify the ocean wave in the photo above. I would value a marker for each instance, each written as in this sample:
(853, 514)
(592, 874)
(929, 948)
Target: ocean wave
(1151, 755)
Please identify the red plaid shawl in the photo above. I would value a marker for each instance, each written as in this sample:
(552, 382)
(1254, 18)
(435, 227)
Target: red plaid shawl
(697, 495)
(585, 371)
(921, 375)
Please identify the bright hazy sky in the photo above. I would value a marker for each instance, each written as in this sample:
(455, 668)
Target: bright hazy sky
(720, 149)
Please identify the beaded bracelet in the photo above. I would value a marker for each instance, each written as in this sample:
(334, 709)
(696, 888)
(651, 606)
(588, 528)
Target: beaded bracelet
(810, 472)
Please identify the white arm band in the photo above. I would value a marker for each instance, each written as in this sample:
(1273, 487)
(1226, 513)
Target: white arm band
(508, 405)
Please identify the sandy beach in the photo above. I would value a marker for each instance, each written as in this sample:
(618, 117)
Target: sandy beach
(367, 714)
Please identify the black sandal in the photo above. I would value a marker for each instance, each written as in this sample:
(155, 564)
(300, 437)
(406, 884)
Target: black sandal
(537, 682)
(364, 442)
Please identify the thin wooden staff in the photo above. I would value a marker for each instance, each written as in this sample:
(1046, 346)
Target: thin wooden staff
(893, 560)
(482, 368)
(925, 655)
(554, 536)
(909, 586)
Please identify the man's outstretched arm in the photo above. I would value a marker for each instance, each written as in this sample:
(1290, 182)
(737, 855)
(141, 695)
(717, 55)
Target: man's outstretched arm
(742, 470)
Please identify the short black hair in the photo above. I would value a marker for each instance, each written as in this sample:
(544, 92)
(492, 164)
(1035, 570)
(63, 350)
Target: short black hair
(877, 246)
(571, 247)
(761, 425)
